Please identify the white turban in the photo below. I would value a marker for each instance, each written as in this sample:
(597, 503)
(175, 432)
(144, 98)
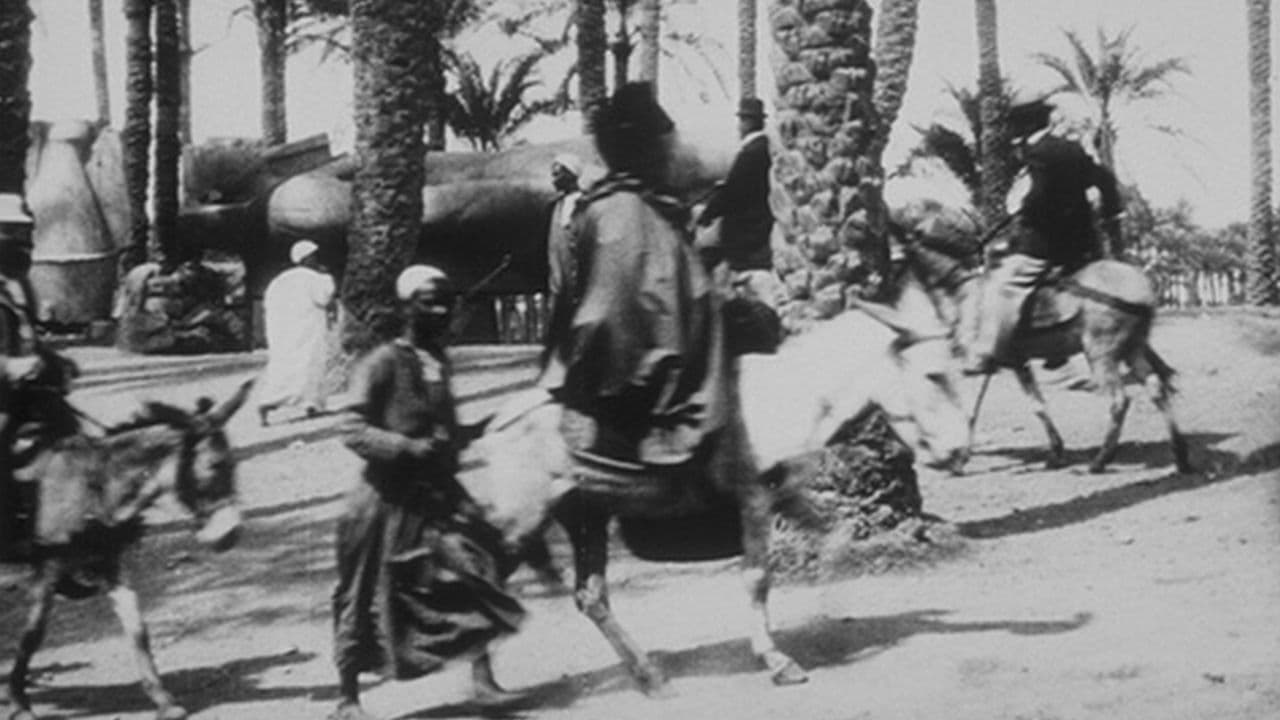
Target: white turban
(569, 162)
(420, 277)
(301, 250)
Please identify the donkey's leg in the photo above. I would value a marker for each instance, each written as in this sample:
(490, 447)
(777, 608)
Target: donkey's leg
(587, 527)
(125, 603)
(1057, 451)
(32, 635)
(1157, 376)
(757, 526)
(1106, 372)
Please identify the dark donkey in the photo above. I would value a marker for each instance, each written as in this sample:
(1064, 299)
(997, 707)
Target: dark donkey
(1104, 310)
(90, 496)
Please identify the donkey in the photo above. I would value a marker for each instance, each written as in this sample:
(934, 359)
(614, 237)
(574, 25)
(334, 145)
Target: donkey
(1104, 310)
(786, 405)
(91, 493)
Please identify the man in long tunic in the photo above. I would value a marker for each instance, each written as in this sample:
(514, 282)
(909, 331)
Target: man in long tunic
(296, 309)
(644, 355)
(419, 572)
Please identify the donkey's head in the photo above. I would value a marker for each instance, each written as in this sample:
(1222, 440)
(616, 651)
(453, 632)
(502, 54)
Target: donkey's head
(204, 470)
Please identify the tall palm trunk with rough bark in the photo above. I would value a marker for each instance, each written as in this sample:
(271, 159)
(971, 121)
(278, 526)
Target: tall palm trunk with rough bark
(272, 17)
(15, 98)
(164, 244)
(747, 48)
(895, 45)
(185, 53)
(825, 121)
(995, 173)
(137, 126)
(824, 183)
(1263, 279)
(390, 44)
(97, 39)
(650, 32)
(591, 40)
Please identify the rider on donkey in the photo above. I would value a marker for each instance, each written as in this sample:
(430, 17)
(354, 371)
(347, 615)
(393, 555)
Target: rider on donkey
(644, 353)
(1055, 226)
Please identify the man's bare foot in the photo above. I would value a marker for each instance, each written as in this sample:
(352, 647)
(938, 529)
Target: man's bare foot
(348, 710)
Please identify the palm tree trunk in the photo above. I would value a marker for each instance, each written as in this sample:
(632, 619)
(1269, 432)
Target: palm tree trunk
(1263, 288)
(390, 47)
(271, 17)
(186, 53)
(15, 98)
(101, 86)
(169, 102)
(747, 48)
(894, 49)
(996, 175)
(650, 32)
(826, 120)
(621, 46)
(137, 126)
(591, 63)
(824, 117)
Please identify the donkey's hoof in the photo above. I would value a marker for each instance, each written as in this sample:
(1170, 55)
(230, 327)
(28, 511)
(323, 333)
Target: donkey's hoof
(1097, 468)
(172, 712)
(1055, 462)
(790, 674)
(22, 714)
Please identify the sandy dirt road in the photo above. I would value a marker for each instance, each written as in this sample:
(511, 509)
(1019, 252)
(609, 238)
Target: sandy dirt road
(1134, 594)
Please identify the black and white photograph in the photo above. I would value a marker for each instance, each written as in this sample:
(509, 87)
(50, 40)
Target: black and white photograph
(639, 360)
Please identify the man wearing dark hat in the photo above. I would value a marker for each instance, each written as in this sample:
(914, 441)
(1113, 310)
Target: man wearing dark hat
(741, 200)
(1055, 226)
(643, 356)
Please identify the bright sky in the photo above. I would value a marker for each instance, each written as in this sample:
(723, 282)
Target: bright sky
(1208, 167)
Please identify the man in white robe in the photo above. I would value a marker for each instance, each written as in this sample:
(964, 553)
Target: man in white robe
(296, 309)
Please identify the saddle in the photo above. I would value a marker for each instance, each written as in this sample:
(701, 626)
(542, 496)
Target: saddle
(1052, 304)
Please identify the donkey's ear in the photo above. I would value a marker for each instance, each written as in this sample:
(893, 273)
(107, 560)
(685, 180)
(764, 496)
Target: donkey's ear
(221, 414)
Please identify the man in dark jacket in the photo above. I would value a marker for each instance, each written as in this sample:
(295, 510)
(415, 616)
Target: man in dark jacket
(741, 200)
(1055, 227)
(644, 354)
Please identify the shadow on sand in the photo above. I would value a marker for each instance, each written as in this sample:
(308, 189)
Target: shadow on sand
(1216, 466)
(195, 688)
(819, 643)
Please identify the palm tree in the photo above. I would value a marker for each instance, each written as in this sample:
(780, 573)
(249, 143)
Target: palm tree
(591, 57)
(272, 18)
(1116, 73)
(825, 119)
(486, 111)
(961, 150)
(137, 126)
(390, 49)
(1263, 285)
(746, 48)
(15, 98)
(650, 31)
(894, 48)
(101, 88)
(169, 101)
(995, 169)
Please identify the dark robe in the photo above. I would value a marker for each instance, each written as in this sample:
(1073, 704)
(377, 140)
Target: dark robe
(742, 203)
(645, 352)
(1056, 217)
(418, 570)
